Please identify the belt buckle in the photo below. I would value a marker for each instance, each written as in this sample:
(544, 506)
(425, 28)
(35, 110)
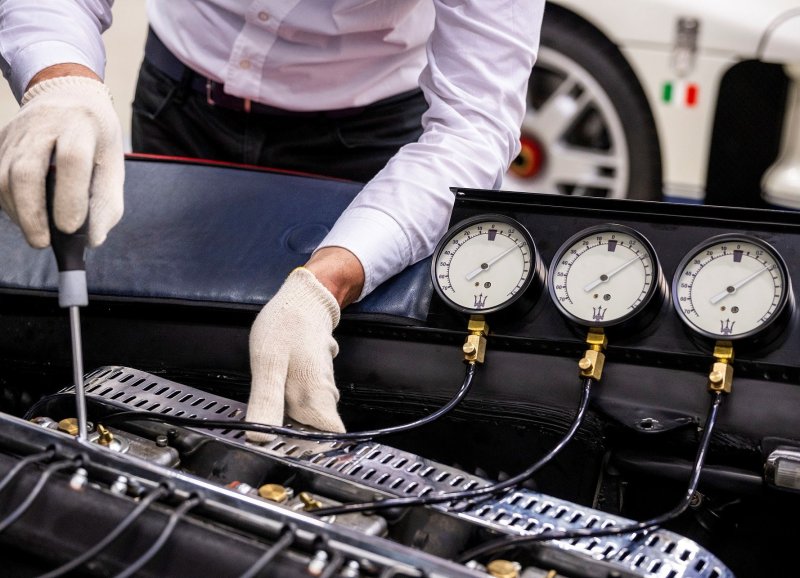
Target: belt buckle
(209, 88)
(247, 104)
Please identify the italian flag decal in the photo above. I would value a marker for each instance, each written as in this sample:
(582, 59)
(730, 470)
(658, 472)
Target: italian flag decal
(680, 93)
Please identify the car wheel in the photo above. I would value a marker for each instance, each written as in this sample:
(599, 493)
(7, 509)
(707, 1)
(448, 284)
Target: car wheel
(588, 129)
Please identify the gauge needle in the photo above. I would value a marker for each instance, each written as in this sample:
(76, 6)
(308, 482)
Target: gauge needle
(731, 289)
(609, 275)
(475, 272)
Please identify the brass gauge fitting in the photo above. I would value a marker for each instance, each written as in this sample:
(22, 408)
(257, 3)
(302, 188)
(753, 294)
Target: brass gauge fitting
(591, 364)
(474, 347)
(720, 378)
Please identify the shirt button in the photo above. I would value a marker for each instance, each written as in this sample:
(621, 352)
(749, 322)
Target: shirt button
(263, 16)
(244, 64)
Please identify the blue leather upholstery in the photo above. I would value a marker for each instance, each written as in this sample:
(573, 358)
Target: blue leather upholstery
(213, 235)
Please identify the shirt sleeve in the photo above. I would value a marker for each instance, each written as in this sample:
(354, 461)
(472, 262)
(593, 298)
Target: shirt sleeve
(35, 35)
(480, 56)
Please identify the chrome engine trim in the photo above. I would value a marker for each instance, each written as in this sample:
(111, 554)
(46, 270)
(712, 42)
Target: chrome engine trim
(229, 507)
(654, 554)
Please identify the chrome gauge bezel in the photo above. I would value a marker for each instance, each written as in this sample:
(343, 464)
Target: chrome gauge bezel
(523, 298)
(647, 303)
(781, 309)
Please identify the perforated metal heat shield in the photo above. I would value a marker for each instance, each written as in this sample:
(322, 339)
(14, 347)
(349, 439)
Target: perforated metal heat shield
(388, 471)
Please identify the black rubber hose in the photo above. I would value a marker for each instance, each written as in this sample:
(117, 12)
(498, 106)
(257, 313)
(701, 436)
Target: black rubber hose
(476, 492)
(126, 522)
(332, 567)
(36, 490)
(129, 416)
(502, 544)
(172, 522)
(31, 459)
(281, 544)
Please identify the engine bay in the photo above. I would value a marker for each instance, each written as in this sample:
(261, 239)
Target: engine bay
(227, 507)
(301, 476)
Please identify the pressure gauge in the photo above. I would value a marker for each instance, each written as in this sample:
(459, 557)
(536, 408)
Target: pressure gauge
(731, 287)
(605, 275)
(485, 264)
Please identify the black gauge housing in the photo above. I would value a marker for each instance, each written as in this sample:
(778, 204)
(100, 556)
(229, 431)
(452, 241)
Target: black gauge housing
(764, 333)
(648, 306)
(530, 286)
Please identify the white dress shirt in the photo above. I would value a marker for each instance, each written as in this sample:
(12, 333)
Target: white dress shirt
(472, 59)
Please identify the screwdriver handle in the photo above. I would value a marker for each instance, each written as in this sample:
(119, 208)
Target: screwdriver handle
(70, 252)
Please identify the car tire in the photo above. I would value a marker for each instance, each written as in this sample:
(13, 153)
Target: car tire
(600, 140)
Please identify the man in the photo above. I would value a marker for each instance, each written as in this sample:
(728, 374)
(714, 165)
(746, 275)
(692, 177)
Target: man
(327, 87)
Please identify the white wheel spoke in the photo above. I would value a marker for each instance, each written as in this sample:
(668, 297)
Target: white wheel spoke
(580, 163)
(584, 169)
(593, 182)
(566, 166)
(558, 114)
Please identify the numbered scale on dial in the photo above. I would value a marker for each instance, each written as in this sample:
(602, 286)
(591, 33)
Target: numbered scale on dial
(487, 264)
(732, 287)
(605, 276)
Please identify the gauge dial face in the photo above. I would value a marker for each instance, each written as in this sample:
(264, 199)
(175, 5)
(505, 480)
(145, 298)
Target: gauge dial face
(731, 287)
(484, 264)
(604, 275)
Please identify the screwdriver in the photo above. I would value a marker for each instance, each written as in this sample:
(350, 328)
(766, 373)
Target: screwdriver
(70, 252)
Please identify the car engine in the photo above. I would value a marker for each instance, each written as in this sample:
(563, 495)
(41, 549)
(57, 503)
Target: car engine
(680, 411)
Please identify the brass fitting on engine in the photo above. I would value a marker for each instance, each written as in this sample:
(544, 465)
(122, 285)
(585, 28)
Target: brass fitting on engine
(474, 347)
(720, 378)
(503, 569)
(591, 364)
(105, 437)
(273, 492)
(69, 425)
(310, 503)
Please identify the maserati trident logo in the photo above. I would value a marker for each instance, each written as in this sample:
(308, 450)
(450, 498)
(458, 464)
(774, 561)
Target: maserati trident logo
(480, 301)
(599, 313)
(726, 327)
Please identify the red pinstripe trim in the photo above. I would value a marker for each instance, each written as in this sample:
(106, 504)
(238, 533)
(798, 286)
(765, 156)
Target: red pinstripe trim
(225, 164)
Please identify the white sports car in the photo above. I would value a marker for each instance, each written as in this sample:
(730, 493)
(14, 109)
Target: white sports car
(685, 100)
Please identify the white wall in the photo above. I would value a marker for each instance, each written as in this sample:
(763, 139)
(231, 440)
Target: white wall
(125, 46)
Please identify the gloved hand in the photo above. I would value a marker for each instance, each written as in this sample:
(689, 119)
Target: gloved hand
(291, 357)
(73, 114)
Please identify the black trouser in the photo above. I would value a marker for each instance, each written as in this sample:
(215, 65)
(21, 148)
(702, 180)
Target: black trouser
(171, 118)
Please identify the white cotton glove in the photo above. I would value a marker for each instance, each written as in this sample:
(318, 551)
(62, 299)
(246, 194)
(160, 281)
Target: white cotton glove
(74, 114)
(291, 357)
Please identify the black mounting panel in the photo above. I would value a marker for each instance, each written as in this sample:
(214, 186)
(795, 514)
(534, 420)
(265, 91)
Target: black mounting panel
(673, 229)
(658, 371)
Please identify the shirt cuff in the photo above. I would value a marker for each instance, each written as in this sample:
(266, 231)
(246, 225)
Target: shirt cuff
(36, 57)
(376, 239)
